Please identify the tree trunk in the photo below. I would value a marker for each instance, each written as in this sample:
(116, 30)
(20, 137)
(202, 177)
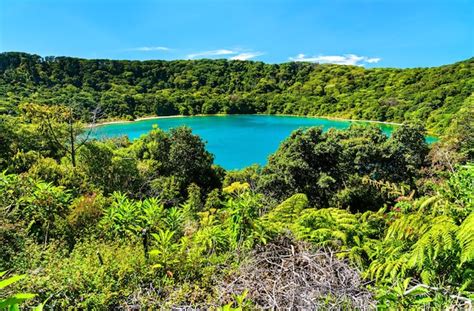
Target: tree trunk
(73, 147)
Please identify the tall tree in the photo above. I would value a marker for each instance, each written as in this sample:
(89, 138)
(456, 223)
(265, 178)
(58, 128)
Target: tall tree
(62, 126)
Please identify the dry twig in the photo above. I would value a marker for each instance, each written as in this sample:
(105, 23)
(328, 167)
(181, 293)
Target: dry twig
(285, 275)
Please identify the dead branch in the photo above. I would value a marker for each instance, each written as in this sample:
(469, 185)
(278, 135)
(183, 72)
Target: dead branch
(288, 275)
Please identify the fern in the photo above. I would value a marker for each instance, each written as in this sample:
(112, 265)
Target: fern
(290, 209)
(465, 236)
(440, 238)
(408, 227)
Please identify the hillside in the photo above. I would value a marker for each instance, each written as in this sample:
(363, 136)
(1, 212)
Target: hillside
(129, 89)
(340, 219)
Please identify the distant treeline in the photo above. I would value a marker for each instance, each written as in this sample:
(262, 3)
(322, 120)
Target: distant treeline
(130, 89)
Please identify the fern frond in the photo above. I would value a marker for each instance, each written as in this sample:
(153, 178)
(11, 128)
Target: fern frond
(290, 209)
(408, 227)
(465, 236)
(440, 238)
(423, 204)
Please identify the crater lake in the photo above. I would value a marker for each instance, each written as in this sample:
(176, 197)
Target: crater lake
(236, 141)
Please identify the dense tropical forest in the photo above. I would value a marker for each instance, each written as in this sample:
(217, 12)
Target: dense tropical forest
(130, 89)
(335, 220)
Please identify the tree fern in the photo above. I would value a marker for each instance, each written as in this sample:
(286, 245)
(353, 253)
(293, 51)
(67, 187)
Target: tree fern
(390, 262)
(465, 236)
(439, 238)
(424, 205)
(408, 227)
(290, 209)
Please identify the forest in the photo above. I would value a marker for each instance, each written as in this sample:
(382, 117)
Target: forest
(132, 89)
(336, 220)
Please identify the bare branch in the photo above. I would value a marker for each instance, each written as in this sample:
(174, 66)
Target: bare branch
(288, 275)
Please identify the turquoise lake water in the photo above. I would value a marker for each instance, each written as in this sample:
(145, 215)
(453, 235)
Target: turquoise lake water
(236, 141)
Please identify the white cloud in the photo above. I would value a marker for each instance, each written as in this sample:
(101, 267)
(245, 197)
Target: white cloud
(373, 60)
(150, 48)
(347, 59)
(234, 54)
(212, 53)
(246, 56)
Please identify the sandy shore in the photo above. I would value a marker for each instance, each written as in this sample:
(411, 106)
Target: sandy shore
(224, 115)
(337, 119)
(137, 119)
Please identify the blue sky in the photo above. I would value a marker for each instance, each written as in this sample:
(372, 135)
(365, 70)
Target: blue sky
(402, 33)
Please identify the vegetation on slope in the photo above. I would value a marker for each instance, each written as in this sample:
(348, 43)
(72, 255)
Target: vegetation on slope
(153, 223)
(130, 89)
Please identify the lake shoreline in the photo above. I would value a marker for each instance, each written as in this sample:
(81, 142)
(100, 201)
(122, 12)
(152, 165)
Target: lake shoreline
(231, 137)
(237, 114)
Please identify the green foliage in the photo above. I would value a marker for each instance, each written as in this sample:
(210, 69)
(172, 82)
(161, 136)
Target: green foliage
(458, 190)
(465, 236)
(44, 208)
(460, 133)
(41, 207)
(289, 210)
(85, 212)
(109, 169)
(164, 250)
(194, 202)
(249, 175)
(427, 241)
(240, 301)
(125, 217)
(330, 167)
(401, 296)
(236, 188)
(430, 240)
(20, 142)
(154, 224)
(128, 89)
(243, 224)
(213, 200)
(173, 161)
(12, 301)
(407, 149)
(81, 280)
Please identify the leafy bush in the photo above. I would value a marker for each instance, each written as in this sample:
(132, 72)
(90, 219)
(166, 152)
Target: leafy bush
(93, 275)
(12, 301)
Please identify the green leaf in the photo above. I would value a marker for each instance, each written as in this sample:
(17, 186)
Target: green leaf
(24, 296)
(418, 291)
(422, 301)
(11, 280)
(154, 252)
(16, 299)
(406, 282)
